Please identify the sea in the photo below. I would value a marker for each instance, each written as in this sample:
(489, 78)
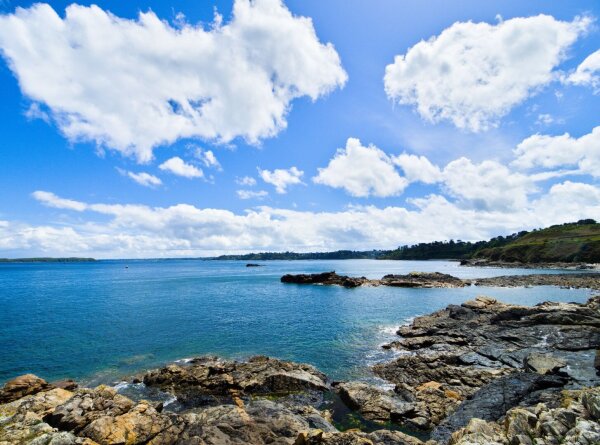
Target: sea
(101, 321)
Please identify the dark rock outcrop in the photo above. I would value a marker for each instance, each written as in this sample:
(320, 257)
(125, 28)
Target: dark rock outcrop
(489, 357)
(326, 278)
(411, 280)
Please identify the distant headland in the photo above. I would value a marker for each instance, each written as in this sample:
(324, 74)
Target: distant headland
(47, 260)
(577, 242)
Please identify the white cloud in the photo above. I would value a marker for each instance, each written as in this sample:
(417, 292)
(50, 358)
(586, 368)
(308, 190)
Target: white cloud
(246, 180)
(472, 74)
(209, 159)
(563, 150)
(281, 178)
(145, 179)
(51, 200)
(251, 194)
(180, 230)
(179, 167)
(588, 72)
(488, 185)
(362, 171)
(418, 168)
(131, 85)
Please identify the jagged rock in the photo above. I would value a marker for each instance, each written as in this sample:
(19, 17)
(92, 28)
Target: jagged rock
(382, 437)
(483, 343)
(537, 425)
(88, 405)
(22, 386)
(423, 280)
(67, 384)
(209, 380)
(374, 403)
(567, 280)
(22, 420)
(543, 363)
(413, 279)
(327, 278)
(493, 400)
(591, 401)
(479, 432)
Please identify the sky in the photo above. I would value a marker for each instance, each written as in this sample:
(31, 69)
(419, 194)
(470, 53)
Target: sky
(165, 128)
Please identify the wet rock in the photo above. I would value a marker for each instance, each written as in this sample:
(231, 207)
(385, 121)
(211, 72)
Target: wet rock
(22, 386)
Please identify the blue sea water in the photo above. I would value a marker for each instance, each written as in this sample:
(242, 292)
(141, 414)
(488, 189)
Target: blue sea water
(97, 322)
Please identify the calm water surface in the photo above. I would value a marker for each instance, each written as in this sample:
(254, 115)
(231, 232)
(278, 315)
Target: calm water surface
(99, 321)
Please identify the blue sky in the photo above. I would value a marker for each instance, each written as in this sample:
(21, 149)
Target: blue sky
(76, 132)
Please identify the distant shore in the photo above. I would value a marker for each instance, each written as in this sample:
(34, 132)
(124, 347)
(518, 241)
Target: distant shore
(47, 260)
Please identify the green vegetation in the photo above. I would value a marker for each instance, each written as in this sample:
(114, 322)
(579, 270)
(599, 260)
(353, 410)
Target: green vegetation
(573, 242)
(46, 260)
(337, 255)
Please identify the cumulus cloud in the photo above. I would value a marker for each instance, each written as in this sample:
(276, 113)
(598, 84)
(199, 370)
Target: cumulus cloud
(179, 167)
(588, 72)
(488, 185)
(281, 178)
(131, 85)
(563, 150)
(209, 159)
(179, 230)
(418, 168)
(143, 178)
(252, 194)
(362, 171)
(472, 74)
(246, 180)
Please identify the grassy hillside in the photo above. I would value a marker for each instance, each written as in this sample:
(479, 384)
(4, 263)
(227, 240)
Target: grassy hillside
(573, 242)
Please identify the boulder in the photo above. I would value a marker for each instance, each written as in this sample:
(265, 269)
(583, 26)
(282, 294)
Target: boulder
(543, 363)
(22, 386)
(375, 404)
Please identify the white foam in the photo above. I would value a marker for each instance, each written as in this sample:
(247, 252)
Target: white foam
(169, 401)
(184, 360)
(121, 385)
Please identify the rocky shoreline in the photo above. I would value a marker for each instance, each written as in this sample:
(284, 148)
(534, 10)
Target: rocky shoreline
(590, 280)
(483, 372)
(483, 262)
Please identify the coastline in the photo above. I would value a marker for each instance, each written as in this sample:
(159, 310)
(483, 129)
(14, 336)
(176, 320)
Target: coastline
(442, 400)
